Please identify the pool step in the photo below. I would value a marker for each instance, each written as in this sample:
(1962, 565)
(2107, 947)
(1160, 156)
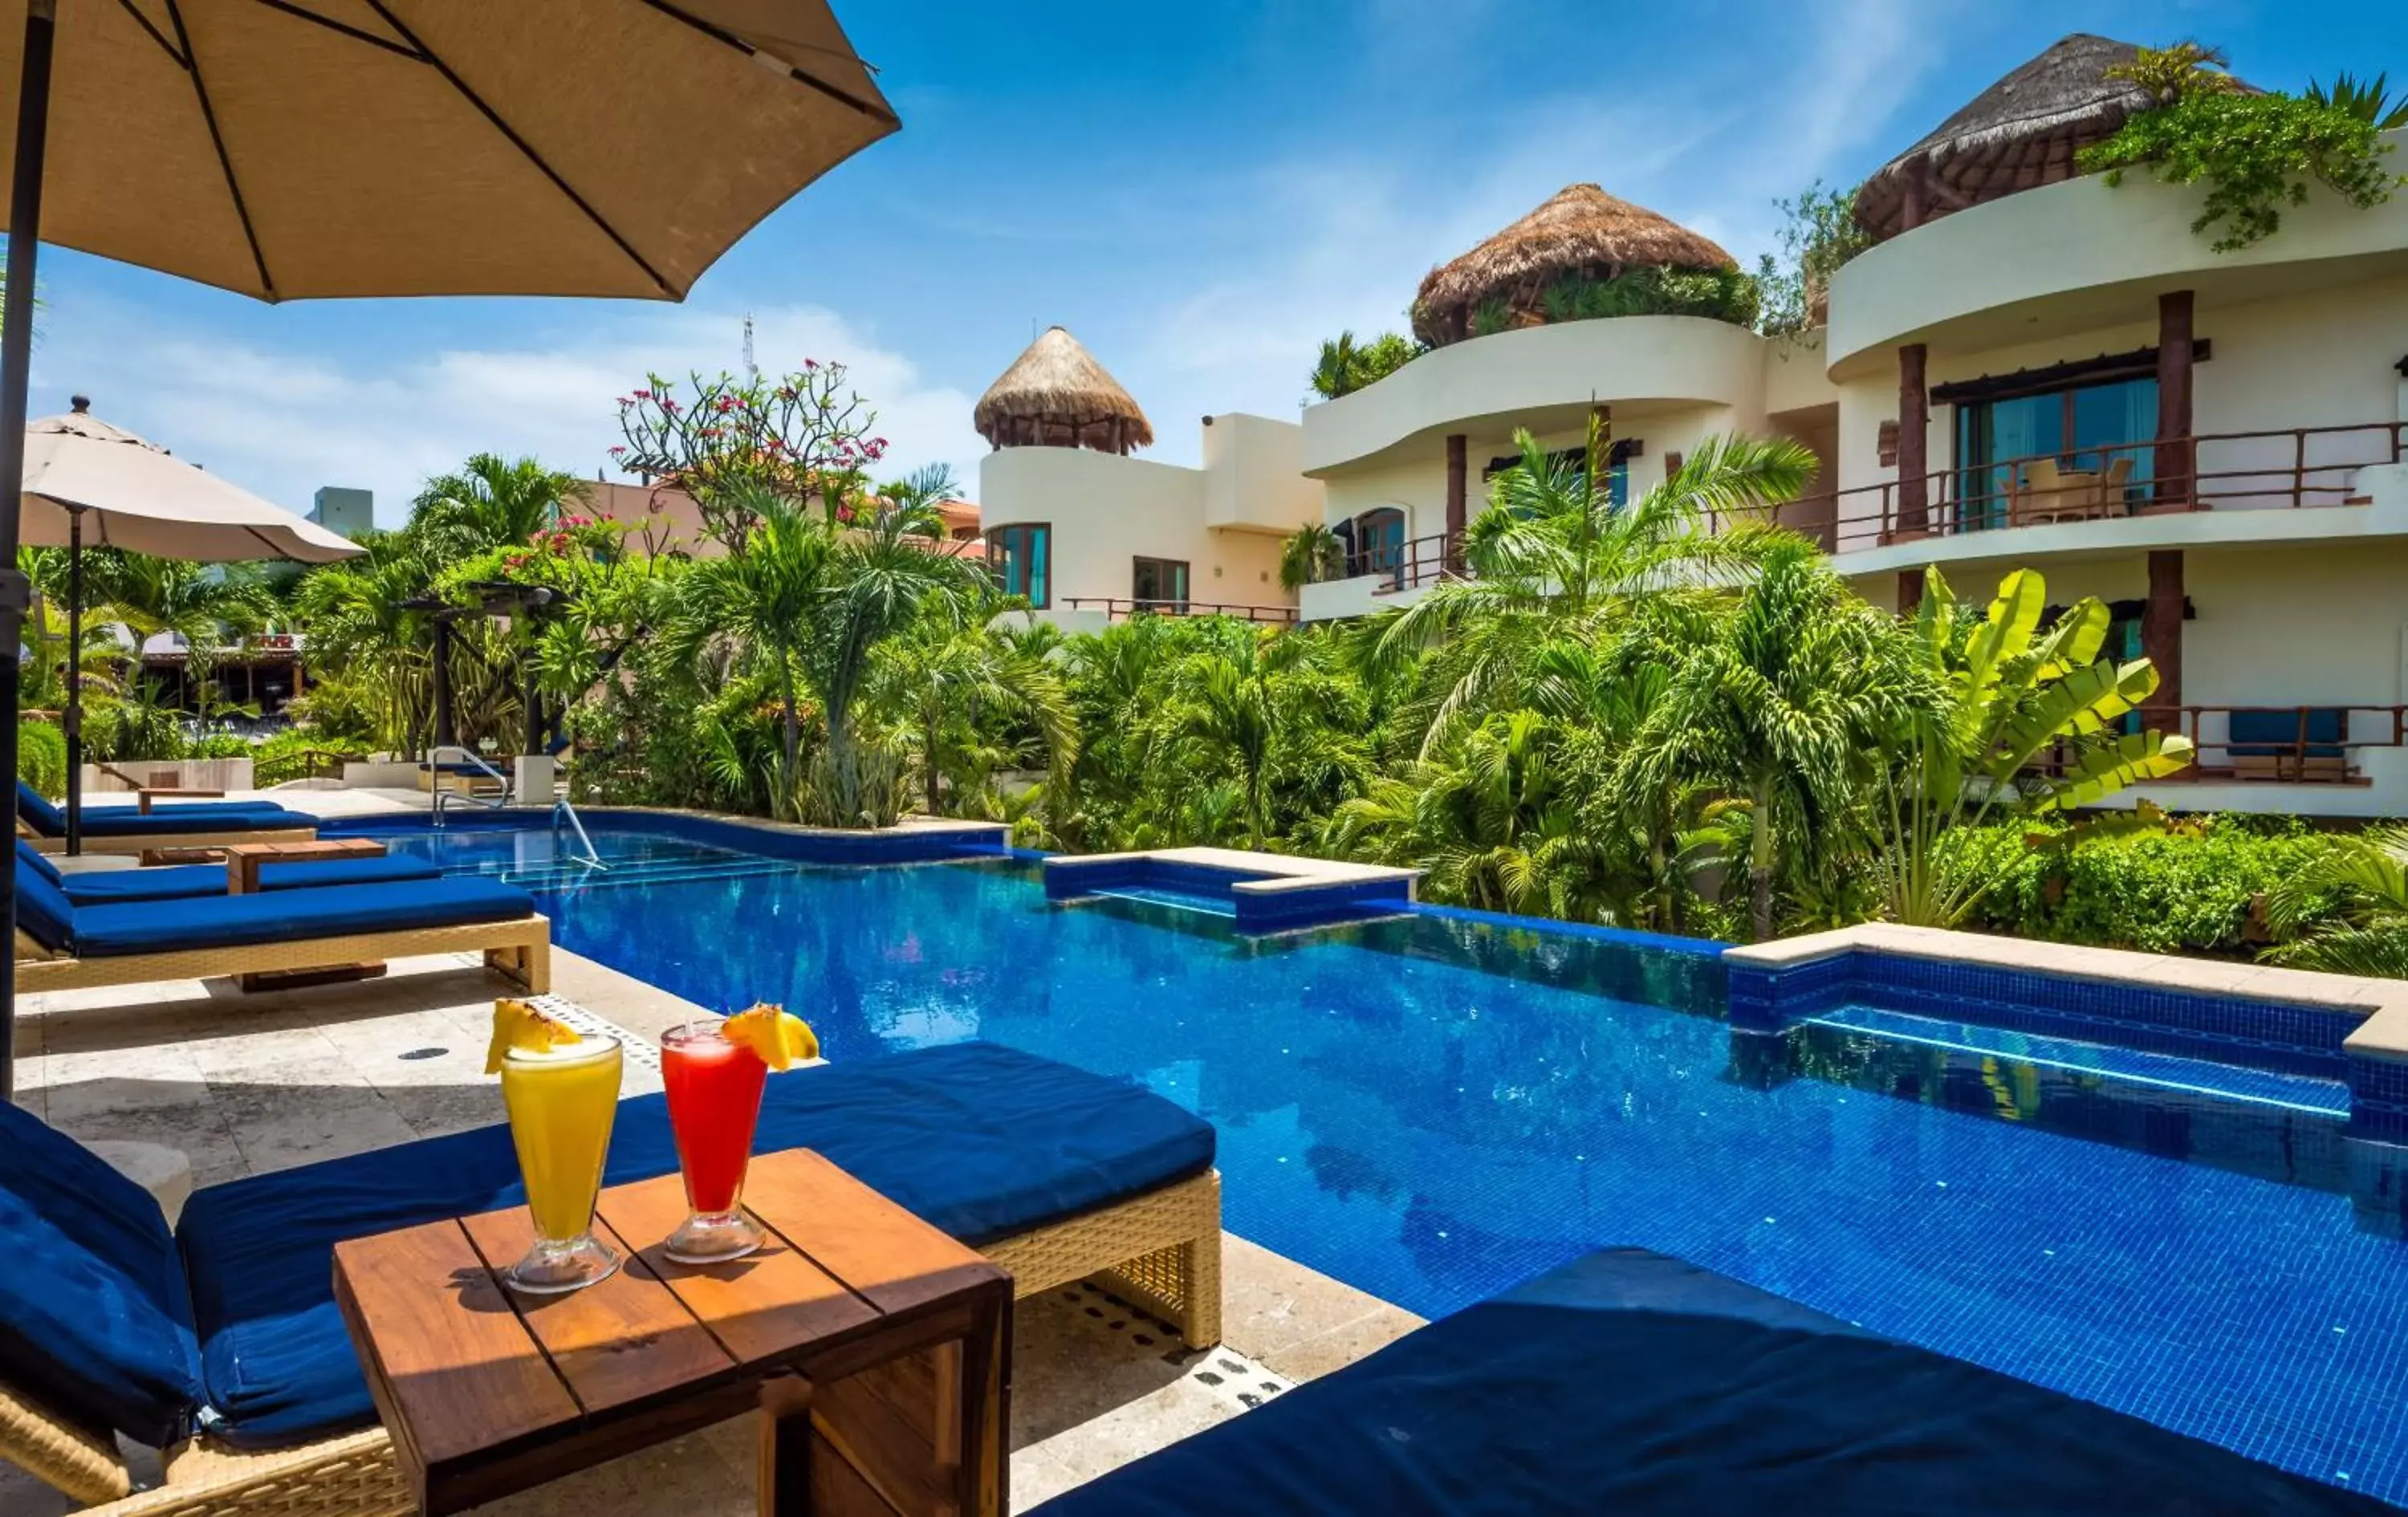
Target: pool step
(570, 874)
(2165, 1071)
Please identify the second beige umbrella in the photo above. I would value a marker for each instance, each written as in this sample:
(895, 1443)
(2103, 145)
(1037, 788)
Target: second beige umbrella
(89, 481)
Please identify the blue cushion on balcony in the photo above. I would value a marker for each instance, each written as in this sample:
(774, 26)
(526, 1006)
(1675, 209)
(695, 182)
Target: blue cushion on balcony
(292, 915)
(94, 1322)
(2281, 733)
(978, 1139)
(1634, 1383)
(120, 887)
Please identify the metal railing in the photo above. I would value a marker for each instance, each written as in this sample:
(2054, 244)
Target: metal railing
(2301, 745)
(1406, 566)
(2217, 471)
(1119, 610)
(474, 762)
(562, 811)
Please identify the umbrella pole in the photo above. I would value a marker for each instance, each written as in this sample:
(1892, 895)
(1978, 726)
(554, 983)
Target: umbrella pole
(74, 717)
(16, 359)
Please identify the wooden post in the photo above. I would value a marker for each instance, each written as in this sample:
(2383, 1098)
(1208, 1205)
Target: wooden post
(1909, 591)
(1458, 465)
(2176, 464)
(1914, 434)
(2161, 633)
(1910, 196)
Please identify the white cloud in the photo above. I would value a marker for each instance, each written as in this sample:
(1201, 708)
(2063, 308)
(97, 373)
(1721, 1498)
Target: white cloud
(283, 423)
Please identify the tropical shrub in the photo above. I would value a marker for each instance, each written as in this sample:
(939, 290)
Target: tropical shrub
(42, 757)
(2258, 153)
(1818, 235)
(1723, 294)
(2344, 907)
(1346, 366)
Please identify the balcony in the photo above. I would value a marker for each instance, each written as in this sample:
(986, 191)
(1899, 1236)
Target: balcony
(1115, 609)
(2296, 745)
(2225, 473)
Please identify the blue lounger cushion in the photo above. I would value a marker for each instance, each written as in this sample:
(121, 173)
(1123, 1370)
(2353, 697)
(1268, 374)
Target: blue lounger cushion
(1638, 1385)
(980, 1140)
(289, 915)
(120, 887)
(127, 820)
(94, 1322)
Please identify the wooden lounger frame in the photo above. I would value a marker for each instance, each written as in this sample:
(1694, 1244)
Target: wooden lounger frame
(1162, 1249)
(519, 949)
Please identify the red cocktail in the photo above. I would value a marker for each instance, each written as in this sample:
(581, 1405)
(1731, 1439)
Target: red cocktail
(714, 1090)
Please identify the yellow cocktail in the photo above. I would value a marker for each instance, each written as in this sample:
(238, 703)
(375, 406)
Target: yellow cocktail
(561, 1100)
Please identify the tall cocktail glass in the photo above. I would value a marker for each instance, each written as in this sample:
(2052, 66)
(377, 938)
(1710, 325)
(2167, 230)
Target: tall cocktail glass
(560, 1101)
(714, 1090)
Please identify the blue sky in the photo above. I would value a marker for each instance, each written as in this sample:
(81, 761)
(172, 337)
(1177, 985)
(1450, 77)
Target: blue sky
(1200, 191)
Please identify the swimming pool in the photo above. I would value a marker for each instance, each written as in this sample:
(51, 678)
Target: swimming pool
(1436, 1104)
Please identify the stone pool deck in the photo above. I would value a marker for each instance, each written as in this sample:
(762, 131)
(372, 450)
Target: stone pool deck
(250, 1083)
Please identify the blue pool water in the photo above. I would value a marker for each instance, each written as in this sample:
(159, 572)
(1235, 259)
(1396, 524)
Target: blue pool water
(1433, 1107)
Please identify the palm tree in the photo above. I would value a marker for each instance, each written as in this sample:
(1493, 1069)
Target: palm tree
(1263, 708)
(359, 628)
(1778, 703)
(1554, 559)
(959, 673)
(763, 599)
(2346, 911)
(491, 503)
(201, 605)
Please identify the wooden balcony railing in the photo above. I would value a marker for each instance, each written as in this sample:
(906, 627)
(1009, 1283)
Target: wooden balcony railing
(1405, 566)
(1121, 611)
(2310, 745)
(2273, 471)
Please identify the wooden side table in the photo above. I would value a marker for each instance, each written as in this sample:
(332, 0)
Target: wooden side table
(243, 862)
(875, 1348)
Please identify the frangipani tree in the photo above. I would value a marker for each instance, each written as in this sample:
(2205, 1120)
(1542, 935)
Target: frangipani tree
(2010, 692)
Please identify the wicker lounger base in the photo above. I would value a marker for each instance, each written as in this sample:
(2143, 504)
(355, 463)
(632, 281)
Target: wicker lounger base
(519, 949)
(1162, 1248)
(144, 842)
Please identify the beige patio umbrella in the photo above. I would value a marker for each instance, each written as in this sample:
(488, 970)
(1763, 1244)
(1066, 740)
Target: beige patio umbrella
(87, 481)
(288, 148)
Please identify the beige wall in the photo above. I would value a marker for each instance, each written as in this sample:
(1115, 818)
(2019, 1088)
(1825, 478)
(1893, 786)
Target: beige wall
(1253, 475)
(1105, 511)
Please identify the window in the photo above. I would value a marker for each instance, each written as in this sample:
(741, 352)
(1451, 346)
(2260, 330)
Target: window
(1159, 584)
(2085, 430)
(1617, 466)
(1379, 544)
(1021, 559)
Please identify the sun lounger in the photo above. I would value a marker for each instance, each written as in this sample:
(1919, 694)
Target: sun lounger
(1638, 1385)
(222, 1343)
(183, 881)
(62, 946)
(126, 829)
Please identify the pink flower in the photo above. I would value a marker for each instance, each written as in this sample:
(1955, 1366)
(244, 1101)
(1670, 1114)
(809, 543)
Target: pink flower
(811, 362)
(618, 453)
(643, 394)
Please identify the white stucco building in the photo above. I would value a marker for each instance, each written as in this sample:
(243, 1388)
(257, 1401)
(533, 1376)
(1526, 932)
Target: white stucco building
(1090, 534)
(2028, 368)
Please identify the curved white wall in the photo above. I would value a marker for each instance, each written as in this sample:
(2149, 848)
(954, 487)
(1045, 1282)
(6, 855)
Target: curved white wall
(2075, 246)
(1459, 387)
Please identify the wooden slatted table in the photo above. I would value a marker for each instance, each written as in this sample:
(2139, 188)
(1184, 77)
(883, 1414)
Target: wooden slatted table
(875, 1348)
(243, 862)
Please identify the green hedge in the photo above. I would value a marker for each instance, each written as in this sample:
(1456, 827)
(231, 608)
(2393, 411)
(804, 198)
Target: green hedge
(42, 757)
(2183, 891)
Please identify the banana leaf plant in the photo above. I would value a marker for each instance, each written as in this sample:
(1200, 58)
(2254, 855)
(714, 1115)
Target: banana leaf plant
(2013, 693)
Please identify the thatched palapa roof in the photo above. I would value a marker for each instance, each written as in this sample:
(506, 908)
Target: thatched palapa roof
(1057, 395)
(1581, 230)
(2019, 134)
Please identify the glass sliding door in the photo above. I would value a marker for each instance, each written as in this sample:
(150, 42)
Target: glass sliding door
(1159, 584)
(1017, 557)
(2094, 436)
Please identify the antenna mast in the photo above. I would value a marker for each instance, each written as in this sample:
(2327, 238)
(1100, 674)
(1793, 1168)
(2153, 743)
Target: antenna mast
(752, 370)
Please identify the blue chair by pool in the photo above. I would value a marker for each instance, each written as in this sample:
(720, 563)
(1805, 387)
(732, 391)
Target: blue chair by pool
(63, 945)
(184, 882)
(132, 829)
(1636, 1384)
(227, 1333)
